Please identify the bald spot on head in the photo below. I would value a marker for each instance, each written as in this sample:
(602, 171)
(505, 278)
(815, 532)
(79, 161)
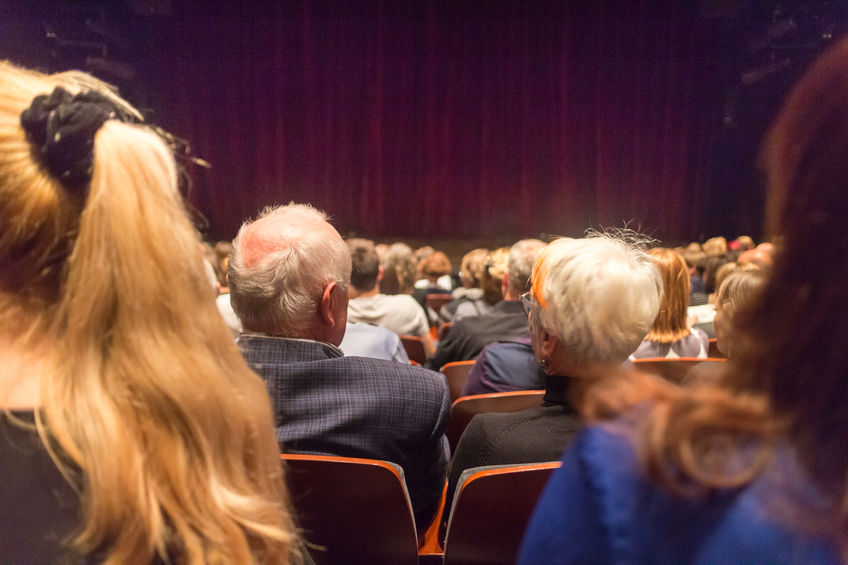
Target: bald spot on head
(757, 256)
(279, 231)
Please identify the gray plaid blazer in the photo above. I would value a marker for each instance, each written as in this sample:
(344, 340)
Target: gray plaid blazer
(326, 403)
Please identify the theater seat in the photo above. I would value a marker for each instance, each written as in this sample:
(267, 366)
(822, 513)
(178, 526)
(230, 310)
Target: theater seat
(466, 407)
(456, 374)
(414, 348)
(444, 330)
(713, 351)
(352, 510)
(437, 300)
(490, 512)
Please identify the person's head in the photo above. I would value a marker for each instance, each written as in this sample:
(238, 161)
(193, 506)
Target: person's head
(695, 258)
(493, 275)
(472, 266)
(759, 257)
(715, 246)
(103, 275)
(399, 270)
(289, 275)
(222, 255)
(734, 292)
(365, 264)
(745, 242)
(593, 301)
(434, 265)
(670, 325)
(522, 256)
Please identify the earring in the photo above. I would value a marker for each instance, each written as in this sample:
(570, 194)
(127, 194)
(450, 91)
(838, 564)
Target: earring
(545, 364)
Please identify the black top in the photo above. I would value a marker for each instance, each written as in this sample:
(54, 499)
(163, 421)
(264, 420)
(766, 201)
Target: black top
(467, 337)
(39, 510)
(534, 435)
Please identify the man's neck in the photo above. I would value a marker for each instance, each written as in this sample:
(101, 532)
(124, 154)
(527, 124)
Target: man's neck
(354, 293)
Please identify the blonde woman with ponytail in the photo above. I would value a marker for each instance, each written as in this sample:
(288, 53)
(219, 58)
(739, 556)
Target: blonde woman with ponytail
(131, 431)
(754, 470)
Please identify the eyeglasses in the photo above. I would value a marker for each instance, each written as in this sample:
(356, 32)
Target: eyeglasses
(527, 302)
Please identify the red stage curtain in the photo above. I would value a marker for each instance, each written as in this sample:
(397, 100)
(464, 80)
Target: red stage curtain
(443, 119)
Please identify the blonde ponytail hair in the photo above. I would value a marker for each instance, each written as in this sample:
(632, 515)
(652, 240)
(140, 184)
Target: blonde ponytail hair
(144, 392)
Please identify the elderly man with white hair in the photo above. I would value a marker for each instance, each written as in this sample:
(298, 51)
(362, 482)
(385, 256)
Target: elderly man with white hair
(590, 304)
(289, 276)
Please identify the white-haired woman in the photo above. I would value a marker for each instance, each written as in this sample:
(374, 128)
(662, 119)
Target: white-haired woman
(591, 302)
(131, 430)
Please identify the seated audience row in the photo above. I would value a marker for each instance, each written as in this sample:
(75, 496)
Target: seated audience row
(507, 320)
(399, 313)
(104, 364)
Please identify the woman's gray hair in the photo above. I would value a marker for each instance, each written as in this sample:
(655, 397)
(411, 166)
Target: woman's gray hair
(279, 292)
(599, 295)
(522, 256)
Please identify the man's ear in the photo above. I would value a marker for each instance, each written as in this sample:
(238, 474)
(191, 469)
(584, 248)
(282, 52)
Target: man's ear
(328, 308)
(379, 273)
(505, 282)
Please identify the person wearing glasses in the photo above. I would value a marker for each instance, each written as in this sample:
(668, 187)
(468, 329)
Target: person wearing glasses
(591, 302)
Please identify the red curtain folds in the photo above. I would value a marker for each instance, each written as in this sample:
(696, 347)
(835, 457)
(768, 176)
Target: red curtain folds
(443, 119)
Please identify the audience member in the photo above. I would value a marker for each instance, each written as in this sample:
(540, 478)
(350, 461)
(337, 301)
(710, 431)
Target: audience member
(695, 258)
(715, 246)
(399, 313)
(289, 276)
(399, 267)
(504, 366)
(754, 470)
(222, 260)
(759, 257)
(435, 269)
(736, 291)
(506, 321)
(744, 243)
(712, 264)
(468, 299)
(365, 340)
(592, 301)
(131, 430)
(493, 275)
(670, 335)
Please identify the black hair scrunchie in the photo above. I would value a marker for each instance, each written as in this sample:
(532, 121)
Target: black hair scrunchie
(62, 126)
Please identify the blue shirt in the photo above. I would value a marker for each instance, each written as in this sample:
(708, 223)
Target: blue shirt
(599, 508)
(505, 366)
(365, 340)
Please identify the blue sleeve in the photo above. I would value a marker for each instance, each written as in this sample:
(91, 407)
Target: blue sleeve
(474, 384)
(566, 525)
